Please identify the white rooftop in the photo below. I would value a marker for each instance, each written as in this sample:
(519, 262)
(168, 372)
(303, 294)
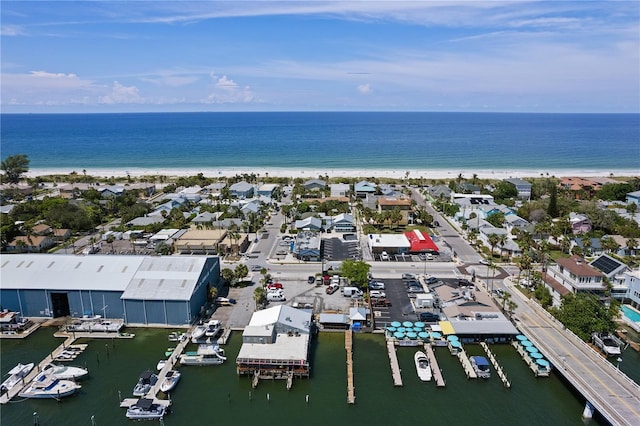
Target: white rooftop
(388, 240)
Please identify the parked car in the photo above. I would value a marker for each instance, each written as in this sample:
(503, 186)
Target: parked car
(275, 286)
(384, 256)
(377, 294)
(431, 280)
(415, 289)
(256, 268)
(412, 282)
(376, 285)
(311, 279)
(332, 288)
(380, 302)
(429, 317)
(484, 262)
(408, 277)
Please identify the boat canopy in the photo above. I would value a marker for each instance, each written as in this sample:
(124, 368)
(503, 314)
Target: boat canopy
(452, 338)
(542, 362)
(536, 355)
(455, 344)
(480, 360)
(436, 335)
(144, 403)
(398, 335)
(396, 324)
(419, 324)
(521, 337)
(526, 343)
(391, 329)
(412, 335)
(423, 335)
(407, 324)
(532, 349)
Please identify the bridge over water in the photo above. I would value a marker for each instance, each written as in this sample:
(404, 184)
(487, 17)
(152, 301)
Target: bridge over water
(607, 389)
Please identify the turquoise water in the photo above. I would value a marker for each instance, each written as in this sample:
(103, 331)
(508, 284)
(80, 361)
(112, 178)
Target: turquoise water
(216, 395)
(630, 313)
(325, 140)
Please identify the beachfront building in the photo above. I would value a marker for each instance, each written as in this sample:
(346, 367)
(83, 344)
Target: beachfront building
(276, 344)
(314, 185)
(364, 188)
(390, 243)
(573, 275)
(241, 190)
(523, 187)
(421, 242)
(340, 189)
(633, 197)
(139, 290)
(268, 189)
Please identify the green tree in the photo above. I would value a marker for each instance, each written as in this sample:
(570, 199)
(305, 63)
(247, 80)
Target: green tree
(496, 219)
(552, 208)
(227, 275)
(356, 271)
(584, 314)
(241, 271)
(14, 166)
(259, 296)
(542, 294)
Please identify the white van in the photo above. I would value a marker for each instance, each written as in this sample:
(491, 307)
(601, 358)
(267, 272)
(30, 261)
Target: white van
(384, 256)
(351, 292)
(276, 297)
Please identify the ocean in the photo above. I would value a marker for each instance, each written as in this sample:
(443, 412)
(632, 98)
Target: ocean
(216, 395)
(411, 141)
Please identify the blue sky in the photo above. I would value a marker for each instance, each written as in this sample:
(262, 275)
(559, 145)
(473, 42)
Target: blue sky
(523, 56)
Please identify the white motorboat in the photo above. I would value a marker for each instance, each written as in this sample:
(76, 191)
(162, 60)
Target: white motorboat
(16, 375)
(480, 366)
(65, 372)
(213, 327)
(198, 332)
(174, 336)
(206, 354)
(45, 386)
(423, 367)
(145, 382)
(170, 381)
(608, 343)
(161, 364)
(145, 409)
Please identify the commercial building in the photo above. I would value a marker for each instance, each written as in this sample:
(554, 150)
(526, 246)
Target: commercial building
(140, 290)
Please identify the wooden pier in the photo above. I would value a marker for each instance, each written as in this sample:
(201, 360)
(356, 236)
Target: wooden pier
(348, 345)
(395, 367)
(437, 373)
(496, 365)
(466, 365)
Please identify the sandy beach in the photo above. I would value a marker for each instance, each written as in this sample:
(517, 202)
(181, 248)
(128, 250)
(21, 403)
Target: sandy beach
(338, 173)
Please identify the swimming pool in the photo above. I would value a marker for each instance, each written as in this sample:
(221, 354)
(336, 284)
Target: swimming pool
(630, 313)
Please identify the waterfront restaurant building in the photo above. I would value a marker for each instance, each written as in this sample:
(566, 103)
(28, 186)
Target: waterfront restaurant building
(140, 290)
(276, 343)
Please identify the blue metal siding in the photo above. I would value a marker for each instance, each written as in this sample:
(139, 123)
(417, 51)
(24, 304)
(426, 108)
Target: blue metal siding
(155, 311)
(75, 305)
(9, 300)
(35, 303)
(178, 312)
(134, 312)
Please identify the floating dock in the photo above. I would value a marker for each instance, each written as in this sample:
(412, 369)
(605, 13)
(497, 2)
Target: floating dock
(496, 365)
(348, 345)
(466, 365)
(437, 373)
(395, 367)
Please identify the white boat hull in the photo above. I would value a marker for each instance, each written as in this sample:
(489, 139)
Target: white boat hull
(64, 372)
(16, 374)
(423, 368)
(170, 381)
(44, 387)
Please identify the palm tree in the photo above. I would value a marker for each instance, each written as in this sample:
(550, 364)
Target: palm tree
(632, 243)
(502, 241)
(110, 240)
(494, 240)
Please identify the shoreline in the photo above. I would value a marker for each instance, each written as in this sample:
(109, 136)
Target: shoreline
(336, 173)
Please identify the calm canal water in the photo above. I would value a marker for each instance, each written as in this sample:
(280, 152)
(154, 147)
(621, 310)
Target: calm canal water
(215, 395)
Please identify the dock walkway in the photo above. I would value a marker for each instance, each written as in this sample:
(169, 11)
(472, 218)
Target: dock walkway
(348, 345)
(496, 365)
(466, 365)
(437, 373)
(395, 367)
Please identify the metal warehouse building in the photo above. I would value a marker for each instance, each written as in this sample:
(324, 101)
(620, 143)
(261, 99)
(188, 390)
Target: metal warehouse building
(166, 290)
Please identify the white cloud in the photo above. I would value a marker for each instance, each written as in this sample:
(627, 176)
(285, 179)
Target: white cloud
(172, 80)
(11, 30)
(121, 94)
(227, 91)
(364, 88)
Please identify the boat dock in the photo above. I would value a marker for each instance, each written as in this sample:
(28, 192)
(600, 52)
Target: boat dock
(348, 345)
(466, 365)
(222, 340)
(437, 373)
(395, 367)
(496, 365)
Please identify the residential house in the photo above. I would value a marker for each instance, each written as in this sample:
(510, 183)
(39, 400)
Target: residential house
(513, 221)
(632, 282)
(510, 247)
(342, 222)
(42, 229)
(252, 206)
(267, 189)
(469, 188)
(580, 223)
(440, 192)
(30, 244)
(579, 188)
(111, 191)
(523, 187)
(575, 276)
(614, 271)
(61, 234)
(214, 189)
(401, 204)
(7, 208)
(206, 219)
(633, 197)
(309, 224)
(241, 190)
(364, 188)
(143, 221)
(340, 189)
(314, 185)
(592, 248)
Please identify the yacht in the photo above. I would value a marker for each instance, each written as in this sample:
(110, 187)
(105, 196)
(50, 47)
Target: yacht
(213, 327)
(170, 381)
(145, 382)
(207, 354)
(145, 409)
(161, 364)
(65, 372)
(480, 366)
(46, 386)
(198, 332)
(422, 366)
(16, 375)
